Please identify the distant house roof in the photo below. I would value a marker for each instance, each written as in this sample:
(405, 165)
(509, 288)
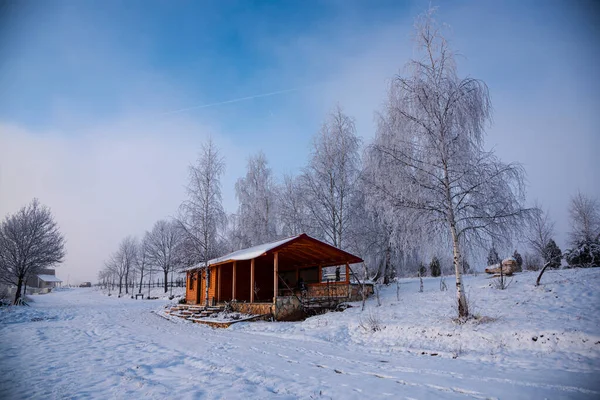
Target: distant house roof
(49, 278)
(302, 248)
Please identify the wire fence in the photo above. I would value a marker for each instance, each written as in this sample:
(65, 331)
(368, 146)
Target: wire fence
(177, 283)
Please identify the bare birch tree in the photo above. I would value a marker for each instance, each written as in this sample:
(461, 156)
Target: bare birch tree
(431, 135)
(202, 217)
(29, 242)
(584, 237)
(164, 247)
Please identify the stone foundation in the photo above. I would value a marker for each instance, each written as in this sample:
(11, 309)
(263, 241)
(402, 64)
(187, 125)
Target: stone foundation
(288, 308)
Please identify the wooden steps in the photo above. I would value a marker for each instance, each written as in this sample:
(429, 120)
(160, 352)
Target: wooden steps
(192, 312)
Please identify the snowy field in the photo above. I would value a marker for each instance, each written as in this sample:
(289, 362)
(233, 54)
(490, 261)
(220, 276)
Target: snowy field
(527, 343)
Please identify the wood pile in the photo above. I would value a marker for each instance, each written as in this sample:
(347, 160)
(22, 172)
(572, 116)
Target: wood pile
(508, 267)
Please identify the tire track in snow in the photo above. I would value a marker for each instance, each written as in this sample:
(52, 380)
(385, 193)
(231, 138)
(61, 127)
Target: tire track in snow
(438, 373)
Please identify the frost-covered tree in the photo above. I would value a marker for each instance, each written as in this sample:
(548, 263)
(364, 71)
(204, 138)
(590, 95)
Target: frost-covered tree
(431, 135)
(329, 181)
(584, 236)
(376, 245)
(584, 214)
(540, 230)
(201, 216)
(257, 197)
(493, 258)
(388, 235)
(293, 210)
(30, 241)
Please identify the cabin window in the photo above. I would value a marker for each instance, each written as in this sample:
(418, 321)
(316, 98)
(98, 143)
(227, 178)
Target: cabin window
(192, 277)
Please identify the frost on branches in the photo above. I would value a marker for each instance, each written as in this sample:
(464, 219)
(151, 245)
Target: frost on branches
(430, 139)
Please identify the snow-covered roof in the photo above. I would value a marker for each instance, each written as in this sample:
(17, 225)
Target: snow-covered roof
(49, 278)
(245, 254)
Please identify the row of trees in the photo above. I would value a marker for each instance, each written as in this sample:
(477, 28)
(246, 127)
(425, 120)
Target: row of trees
(583, 238)
(542, 250)
(160, 250)
(425, 185)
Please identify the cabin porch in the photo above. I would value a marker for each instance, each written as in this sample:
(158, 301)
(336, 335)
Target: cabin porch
(284, 280)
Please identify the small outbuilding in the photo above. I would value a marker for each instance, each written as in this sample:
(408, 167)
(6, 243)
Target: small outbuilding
(274, 278)
(43, 282)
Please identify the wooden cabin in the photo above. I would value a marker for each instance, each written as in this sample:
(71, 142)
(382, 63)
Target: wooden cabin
(273, 278)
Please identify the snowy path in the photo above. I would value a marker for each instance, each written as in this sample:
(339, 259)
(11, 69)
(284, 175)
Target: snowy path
(80, 344)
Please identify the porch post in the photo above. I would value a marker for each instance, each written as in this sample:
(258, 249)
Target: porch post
(275, 276)
(219, 283)
(320, 274)
(347, 273)
(233, 288)
(252, 281)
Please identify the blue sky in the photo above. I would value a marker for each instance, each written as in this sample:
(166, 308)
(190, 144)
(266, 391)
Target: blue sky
(89, 89)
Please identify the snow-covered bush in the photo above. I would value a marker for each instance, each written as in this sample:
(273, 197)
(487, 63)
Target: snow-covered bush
(519, 259)
(493, 257)
(435, 267)
(372, 323)
(422, 269)
(552, 255)
(532, 262)
(585, 255)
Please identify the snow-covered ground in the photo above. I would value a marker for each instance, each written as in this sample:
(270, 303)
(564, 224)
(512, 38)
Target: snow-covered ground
(528, 342)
